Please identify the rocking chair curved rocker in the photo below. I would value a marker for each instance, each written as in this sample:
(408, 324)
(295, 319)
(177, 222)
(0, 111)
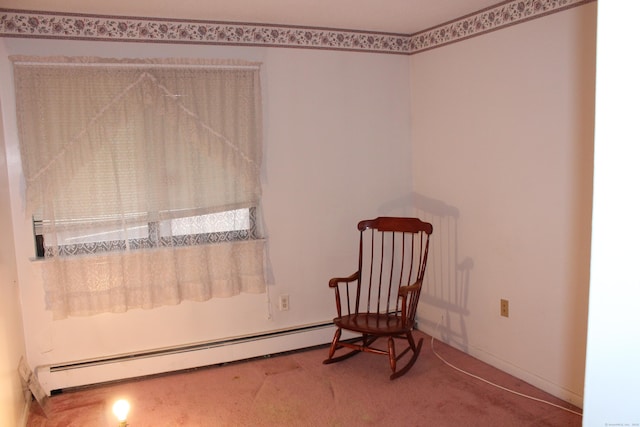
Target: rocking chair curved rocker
(380, 299)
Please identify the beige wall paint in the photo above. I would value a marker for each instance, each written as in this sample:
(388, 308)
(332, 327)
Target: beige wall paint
(337, 147)
(502, 131)
(12, 399)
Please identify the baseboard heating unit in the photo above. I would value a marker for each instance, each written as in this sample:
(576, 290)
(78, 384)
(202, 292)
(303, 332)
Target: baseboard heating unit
(157, 361)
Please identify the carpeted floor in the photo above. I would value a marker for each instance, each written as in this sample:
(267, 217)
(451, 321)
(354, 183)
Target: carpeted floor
(296, 389)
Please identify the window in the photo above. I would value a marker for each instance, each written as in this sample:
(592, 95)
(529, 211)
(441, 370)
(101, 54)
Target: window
(95, 235)
(144, 179)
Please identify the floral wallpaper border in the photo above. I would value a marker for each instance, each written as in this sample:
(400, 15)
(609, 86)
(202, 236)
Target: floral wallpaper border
(490, 19)
(48, 25)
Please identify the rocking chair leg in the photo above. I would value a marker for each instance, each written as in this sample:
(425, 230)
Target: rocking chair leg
(335, 344)
(411, 361)
(412, 343)
(392, 355)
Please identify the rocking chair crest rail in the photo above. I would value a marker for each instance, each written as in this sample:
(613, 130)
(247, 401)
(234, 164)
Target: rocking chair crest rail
(381, 298)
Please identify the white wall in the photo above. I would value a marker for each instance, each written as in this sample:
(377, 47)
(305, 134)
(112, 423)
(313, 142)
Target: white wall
(613, 373)
(502, 159)
(337, 147)
(12, 399)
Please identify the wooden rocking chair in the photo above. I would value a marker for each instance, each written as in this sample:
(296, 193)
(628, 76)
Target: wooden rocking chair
(381, 298)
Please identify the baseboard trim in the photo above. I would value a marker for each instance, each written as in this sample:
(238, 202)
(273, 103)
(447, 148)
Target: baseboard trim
(26, 410)
(533, 379)
(505, 366)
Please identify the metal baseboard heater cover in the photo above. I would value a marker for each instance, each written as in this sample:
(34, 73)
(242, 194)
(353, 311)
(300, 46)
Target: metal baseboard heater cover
(187, 348)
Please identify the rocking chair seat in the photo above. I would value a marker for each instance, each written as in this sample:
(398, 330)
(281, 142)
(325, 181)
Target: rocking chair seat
(372, 324)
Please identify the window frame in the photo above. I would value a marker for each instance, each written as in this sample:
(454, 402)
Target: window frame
(153, 240)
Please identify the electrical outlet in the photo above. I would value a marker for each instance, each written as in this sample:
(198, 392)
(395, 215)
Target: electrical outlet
(504, 308)
(284, 303)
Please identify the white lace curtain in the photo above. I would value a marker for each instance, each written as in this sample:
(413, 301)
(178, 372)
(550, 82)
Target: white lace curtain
(146, 176)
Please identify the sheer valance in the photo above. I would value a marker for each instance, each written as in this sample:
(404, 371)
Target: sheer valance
(151, 155)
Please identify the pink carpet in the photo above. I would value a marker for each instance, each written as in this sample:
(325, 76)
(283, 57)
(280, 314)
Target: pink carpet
(296, 389)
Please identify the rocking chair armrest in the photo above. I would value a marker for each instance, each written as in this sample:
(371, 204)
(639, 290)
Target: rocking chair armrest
(406, 290)
(337, 280)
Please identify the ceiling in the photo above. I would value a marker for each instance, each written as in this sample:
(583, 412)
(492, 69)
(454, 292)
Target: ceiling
(394, 16)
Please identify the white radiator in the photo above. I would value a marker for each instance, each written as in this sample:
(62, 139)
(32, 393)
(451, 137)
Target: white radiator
(157, 361)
